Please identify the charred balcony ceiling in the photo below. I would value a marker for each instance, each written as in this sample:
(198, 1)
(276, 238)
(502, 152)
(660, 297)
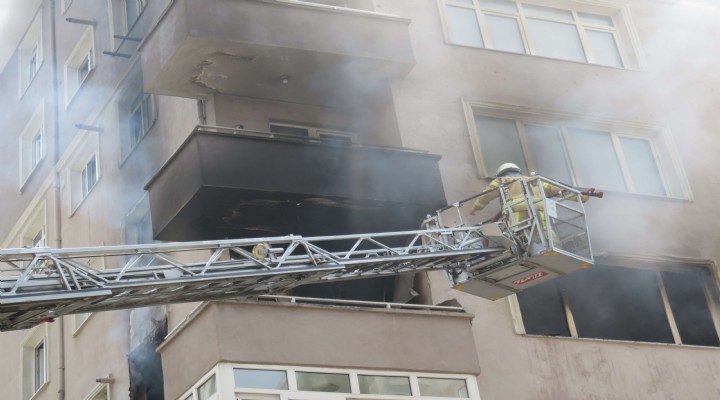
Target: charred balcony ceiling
(274, 49)
(220, 185)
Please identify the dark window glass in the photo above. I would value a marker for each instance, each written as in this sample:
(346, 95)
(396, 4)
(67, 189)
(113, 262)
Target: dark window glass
(689, 305)
(617, 303)
(542, 310)
(289, 130)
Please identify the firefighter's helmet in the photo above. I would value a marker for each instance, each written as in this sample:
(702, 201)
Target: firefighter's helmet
(507, 168)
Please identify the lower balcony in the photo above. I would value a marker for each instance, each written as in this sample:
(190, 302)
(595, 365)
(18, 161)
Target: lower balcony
(229, 350)
(237, 184)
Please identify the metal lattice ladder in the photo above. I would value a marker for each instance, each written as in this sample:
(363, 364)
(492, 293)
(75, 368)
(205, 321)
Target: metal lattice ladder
(40, 284)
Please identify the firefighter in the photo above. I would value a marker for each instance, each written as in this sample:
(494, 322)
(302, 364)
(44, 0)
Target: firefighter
(510, 175)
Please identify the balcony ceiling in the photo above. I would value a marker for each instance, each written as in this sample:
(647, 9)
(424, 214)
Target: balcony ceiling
(274, 50)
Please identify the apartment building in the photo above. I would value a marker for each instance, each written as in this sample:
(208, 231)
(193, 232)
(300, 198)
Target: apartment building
(133, 121)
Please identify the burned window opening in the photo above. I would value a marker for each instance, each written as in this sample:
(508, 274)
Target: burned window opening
(146, 376)
(619, 303)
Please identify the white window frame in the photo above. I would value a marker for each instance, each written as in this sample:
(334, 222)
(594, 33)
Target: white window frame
(623, 31)
(28, 163)
(617, 129)
(226, 384)
(658, 266)
(128, 106)
(82, 55)
(77, 166)
(66, 5)
(30, 46)
(118, 19)
(35, 228)
(316, 133)
(29, 387)
(99, 389)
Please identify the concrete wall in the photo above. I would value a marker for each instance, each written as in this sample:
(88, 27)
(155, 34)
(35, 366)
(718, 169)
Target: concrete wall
(668, 93)
(294, 334)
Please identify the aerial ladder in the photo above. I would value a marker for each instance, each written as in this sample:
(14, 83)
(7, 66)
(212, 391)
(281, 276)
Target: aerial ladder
(487, 257)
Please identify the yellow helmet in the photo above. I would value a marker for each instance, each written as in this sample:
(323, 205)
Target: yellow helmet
(507, 167)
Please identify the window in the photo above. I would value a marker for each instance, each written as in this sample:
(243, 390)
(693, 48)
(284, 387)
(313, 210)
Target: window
(34, 362)
(322, 382)
(208, 389)
(258, 382)
(32, 145)
(79, 65)
(102, 392)
(89, 176)
(84, 170)
(66, 5)
(394, 385)
(626, 300)
(578, 150)
(34, 233)
(30, 55)
(588, 34)
(437, 387)
(123, 15)
(311, 132)
(260, 379)
(136, 112)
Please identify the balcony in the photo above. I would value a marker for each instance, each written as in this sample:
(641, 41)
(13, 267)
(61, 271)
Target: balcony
(284, 50)
(429, 339)
(233, 184)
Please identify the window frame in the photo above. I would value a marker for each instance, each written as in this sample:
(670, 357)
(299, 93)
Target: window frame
(31, 46)
(29, 386)
(77, 161)
(35, 126)
(642, 263)
(127, 105)
(315, 133)
(103, 387)
(623, 31)
(83, 54)
(118, 20)
(616, 129)
(225, 380)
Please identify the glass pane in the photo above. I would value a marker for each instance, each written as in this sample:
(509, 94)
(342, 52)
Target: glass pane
(289, 130)
(438, 387)
(39, 365)
(595, 19)
(469, 2)
(464, 27)
(131, 12)
(595, 159)
(547, 151)
(207, 389)
(499, 142)
(396, 385)
(260, 379)
(505, 33)
(318, 382)
(672, 180)
(643, 168)
(690, 308)
(500, 5)
(617, 303)
(556, 40)
(604, 48)
(547, 12)
(542, 310)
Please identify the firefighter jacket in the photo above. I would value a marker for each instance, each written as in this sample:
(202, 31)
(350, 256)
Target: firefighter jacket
(514, 192)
